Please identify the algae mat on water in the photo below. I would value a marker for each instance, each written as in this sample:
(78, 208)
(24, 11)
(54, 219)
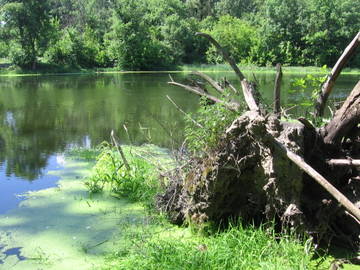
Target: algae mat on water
(64, 227)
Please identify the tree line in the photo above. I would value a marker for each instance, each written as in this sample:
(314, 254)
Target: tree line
(159, 34)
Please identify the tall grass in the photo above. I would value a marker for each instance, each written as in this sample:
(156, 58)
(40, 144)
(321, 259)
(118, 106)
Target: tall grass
(139, 182)
(236, 248)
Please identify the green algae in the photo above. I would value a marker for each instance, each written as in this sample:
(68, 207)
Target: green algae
(63, 227)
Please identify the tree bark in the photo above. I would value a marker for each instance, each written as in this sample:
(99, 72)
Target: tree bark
(345, 119)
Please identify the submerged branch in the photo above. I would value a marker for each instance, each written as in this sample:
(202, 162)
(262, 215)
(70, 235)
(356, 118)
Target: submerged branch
(207, 78)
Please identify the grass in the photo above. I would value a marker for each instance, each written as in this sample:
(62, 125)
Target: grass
(6, 69)
(257, 69)
(153, 243)
(236, 248)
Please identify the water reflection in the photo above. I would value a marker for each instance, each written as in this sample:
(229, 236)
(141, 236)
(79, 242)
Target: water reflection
(40, 116)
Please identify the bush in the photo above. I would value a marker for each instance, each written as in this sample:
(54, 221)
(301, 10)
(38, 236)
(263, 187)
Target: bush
(75, 49)
(235, 35)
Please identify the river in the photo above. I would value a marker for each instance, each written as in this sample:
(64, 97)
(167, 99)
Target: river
(42, 116)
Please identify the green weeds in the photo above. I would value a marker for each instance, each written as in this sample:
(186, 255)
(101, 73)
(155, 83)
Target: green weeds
(139, 183)
(214, 119)
(236, 248)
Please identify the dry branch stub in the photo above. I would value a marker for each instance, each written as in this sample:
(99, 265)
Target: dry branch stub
(256, 172)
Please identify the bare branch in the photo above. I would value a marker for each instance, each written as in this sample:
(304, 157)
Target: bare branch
(231, 106)
(335, 72)
(186, 115)
(248, 89)
(207, 78)
(344, 162)
(277, 89)
(300, 162)
(119, 149)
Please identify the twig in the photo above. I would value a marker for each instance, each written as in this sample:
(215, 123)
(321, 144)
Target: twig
(119, 149)
(186, 115)
(231, 106)
(207, 78)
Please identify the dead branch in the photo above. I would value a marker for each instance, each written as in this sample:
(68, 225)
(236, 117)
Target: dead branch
(249, 90)
(186, 115)
(300, 162)
(207, 78)
(344, 162)
(119, 149)
(335, 72)
(277, 89)
(345, 119)
(233, 106)
(232, 87)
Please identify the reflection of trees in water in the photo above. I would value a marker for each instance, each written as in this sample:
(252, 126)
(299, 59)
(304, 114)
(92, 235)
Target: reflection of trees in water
(40, 116)
(49, 113)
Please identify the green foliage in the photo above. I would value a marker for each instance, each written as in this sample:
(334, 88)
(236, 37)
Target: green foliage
(140, 183)
(236, 248)
(234, 35)
(160, 34)
(303, 86)
(214, 119)
(74, 49)
(28, 22)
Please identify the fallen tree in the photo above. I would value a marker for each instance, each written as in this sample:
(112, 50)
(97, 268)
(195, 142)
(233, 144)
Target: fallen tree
(265, 169)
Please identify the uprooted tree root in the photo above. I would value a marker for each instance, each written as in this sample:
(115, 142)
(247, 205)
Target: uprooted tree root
(247, 176)
(263, 169)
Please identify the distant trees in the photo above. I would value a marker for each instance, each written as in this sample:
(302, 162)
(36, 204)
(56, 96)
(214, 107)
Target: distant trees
(27, 23)
(153, 34)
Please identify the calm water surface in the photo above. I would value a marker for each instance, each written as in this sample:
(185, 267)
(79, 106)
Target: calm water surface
(41, 117)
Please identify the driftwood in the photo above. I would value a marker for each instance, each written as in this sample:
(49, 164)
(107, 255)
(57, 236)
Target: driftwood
(334, 74)
(251, 172)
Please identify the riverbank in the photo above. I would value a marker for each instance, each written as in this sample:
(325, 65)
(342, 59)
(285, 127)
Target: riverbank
(46, 69)
(64, 226)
